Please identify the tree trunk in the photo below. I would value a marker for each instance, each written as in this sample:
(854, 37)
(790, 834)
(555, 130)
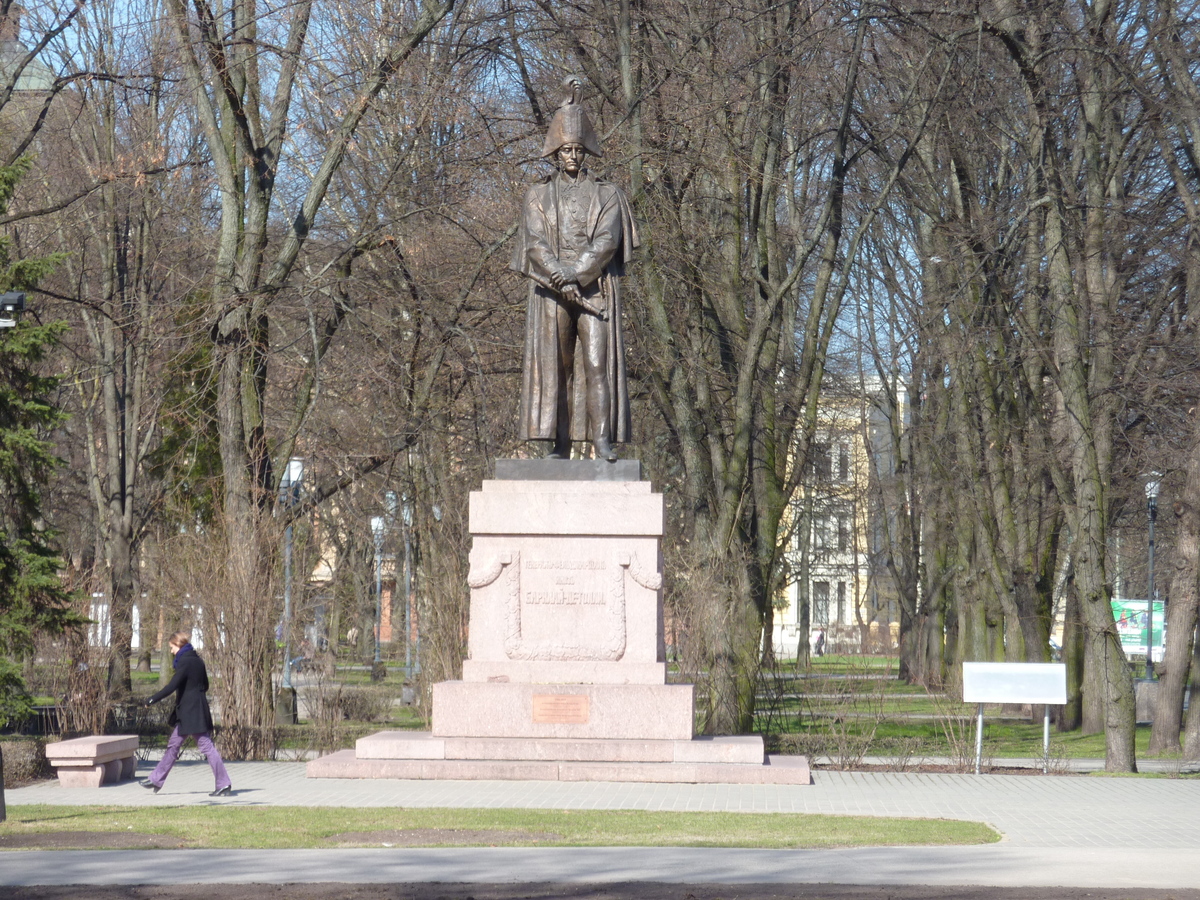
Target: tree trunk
(911, 645)
(1181, 611)
(1191, 737)
(120, 607)
(735, 665)
(249, 601)
(1072, 716)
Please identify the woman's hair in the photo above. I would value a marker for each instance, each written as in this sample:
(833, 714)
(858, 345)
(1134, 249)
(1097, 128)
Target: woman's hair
(179, 638)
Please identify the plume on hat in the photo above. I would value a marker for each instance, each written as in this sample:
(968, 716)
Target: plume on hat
(571, 124)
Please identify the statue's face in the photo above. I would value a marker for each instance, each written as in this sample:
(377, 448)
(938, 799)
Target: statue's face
(570, 158)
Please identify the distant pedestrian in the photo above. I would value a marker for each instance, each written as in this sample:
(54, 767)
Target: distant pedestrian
(304, 660)
(191, 716)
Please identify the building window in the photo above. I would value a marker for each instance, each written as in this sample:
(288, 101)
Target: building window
(822, 533)
(841, 602)
(843, 463)
(843, 534)
(820, 601)
(822, 468)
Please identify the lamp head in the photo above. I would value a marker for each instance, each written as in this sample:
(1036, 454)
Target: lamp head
(1153, 482)
(290, 480)
(12, 304)
(293, 473)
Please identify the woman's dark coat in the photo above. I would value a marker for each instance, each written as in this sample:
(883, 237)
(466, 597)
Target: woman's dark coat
(189, 685)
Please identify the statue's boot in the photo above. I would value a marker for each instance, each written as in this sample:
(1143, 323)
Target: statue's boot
(604, 447)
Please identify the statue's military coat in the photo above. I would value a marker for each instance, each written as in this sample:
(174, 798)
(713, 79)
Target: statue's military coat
(611, 240)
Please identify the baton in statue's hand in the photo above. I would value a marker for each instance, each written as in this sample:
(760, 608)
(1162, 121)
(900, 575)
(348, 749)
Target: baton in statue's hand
(572, 293)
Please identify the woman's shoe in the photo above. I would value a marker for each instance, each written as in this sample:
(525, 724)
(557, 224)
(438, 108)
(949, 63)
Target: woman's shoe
(222, 792)
(150, 785)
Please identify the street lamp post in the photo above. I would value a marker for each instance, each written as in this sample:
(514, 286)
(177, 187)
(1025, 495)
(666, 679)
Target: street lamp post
(378, 526)
(289, 494)
(11, 306)
(406, 521)
(1152, 485)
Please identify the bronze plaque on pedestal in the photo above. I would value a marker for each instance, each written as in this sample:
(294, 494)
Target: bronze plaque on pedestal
(560, 709)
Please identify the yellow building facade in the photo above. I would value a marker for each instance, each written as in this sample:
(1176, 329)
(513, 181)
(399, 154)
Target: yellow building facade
(838, 597)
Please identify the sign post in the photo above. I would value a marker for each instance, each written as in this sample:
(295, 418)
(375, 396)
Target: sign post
(1044, 683)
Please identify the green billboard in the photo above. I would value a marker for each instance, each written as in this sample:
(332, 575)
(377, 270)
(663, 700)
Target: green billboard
(1130, 616)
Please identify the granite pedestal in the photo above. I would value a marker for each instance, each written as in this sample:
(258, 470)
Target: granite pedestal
(566, 675)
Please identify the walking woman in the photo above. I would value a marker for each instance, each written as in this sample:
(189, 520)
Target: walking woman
(191, 716)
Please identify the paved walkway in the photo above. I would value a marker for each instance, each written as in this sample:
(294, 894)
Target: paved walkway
(1058, 830)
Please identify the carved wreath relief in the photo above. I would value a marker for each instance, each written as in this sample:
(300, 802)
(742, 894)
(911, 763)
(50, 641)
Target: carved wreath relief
(566, 585)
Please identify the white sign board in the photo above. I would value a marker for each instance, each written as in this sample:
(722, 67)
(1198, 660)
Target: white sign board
(1014, 682)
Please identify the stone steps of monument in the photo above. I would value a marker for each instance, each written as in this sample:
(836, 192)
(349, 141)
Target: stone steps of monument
(735, 749)
(775, 770)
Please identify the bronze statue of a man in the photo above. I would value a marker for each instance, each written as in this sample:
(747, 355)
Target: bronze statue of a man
(575, 237)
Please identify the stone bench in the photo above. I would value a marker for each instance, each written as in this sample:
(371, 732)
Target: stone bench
(93, 761)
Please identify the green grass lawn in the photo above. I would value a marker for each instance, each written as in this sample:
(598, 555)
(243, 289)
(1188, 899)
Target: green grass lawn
(835, 664)
(298, 828)
(841, 703)
(1001, 740)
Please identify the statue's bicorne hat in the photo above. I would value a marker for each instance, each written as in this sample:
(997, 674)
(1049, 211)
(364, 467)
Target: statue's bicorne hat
(571, 124)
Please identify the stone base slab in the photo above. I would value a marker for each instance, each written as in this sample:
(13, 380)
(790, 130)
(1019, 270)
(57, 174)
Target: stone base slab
(564, 672)
(420, 745)
(776, 770)
(546, 469)
(577, 711)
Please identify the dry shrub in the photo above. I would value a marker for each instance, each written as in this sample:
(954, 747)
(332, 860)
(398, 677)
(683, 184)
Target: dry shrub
(332, 707)
(334, 703)
(25, 761)
(235, 605)
(77, 676)
(846, 713)
(1058, 762)
(363, 705)
(321, 698)
(958, 728)
(706, 635)
(87, 703)
(900, 754)
(442, 599)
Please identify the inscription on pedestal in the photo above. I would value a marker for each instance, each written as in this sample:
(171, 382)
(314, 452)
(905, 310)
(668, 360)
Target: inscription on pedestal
(560, 582)
(560, 709)
(566, 608)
